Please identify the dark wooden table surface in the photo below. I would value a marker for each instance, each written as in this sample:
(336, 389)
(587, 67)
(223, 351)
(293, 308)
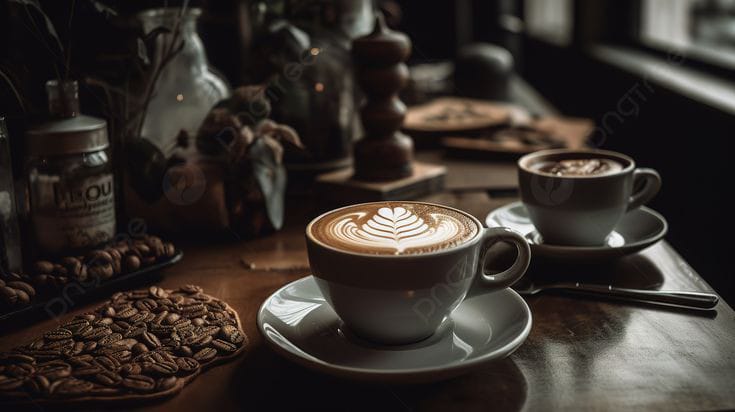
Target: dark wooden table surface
(582, 354)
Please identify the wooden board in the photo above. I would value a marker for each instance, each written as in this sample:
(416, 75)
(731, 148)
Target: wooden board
(338, 188)
(561, 132)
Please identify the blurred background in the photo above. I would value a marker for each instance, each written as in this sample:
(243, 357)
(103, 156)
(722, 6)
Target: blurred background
(656, 76)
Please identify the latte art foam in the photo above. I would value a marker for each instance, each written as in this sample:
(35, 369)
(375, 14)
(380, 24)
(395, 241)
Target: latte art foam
(393, 228)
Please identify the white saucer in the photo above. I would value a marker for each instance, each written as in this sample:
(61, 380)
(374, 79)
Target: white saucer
(637, 230)
(298, 323)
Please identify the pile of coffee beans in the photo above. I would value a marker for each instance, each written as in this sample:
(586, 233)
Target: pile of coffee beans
(14, 292)
(104, 263)
(140, 343)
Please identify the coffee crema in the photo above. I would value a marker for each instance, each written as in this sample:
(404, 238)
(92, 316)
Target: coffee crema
(393, 228)
(579, 167)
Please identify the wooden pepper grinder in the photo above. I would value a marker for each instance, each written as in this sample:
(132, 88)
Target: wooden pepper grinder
(384, 153)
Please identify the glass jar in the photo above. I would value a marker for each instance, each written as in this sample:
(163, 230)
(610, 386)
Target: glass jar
(187, 87)
(71, 200)
(310, 81)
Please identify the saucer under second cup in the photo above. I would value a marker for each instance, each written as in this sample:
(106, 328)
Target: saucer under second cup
(637, 230)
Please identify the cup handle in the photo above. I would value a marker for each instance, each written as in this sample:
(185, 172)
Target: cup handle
(651, 184)
(509, 276)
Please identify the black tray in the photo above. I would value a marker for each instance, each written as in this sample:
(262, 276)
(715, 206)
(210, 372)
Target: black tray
(73, 297)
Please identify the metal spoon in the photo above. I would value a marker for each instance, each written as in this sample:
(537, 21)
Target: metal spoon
(697, 300)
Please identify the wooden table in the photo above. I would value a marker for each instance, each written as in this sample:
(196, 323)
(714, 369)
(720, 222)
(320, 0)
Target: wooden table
(582, 354)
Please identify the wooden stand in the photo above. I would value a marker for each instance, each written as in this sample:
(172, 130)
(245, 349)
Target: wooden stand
(338, 188)
(384, 167)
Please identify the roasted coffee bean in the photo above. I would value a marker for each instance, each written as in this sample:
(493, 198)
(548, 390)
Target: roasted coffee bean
(120, 326)
(160, 316)
(83, 330)
(78, 348)
(97, 333)
(75, 324)
(23, 298)
(9, 358)
(108, 311)
(105, 321)
(111, 348)
(36, 344)
(150, 340)
(184, 351)
(139, 383)
(171, 318)
(25, 287)
(107, 362)
(146, 304)
(198, 321)
(128, 343)
(38, 384)
(58, 344)
(205, 355)
(126, 312)
(166, 383)
(135, 331)
(170, 249)
(231, 334)
(156, 246)
(160, 368)
(43, 267)
(139, 348)
(8, 296)
(208, 330)
(200, 341)
(98, 258)
(187, 365)
(142, 249)
(122, 356)
(223, 346)
(90, 346)
(109, 339)
(54, 370)
(58, 334)
(19, 370)
(74, 267)
(45, 354)
(87, 370)
(157, 292)
(140, 316)
(131, 263)
(8, 383)
(162, 330)
(108, 378)
(101, 271)
(130, 369)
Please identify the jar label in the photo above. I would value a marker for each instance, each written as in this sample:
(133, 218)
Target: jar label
(74, 214)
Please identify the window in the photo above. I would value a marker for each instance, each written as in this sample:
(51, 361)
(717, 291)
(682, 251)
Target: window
(550, 20)
(697, 28)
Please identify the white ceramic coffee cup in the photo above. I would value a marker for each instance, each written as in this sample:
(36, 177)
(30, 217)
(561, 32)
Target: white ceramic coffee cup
(582, 210)
(398, 299)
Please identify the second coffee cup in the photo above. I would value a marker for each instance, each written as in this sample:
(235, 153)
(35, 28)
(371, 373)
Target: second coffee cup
(576, 197)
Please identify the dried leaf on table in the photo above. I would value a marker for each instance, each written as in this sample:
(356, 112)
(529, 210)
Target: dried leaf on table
(271, 178)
